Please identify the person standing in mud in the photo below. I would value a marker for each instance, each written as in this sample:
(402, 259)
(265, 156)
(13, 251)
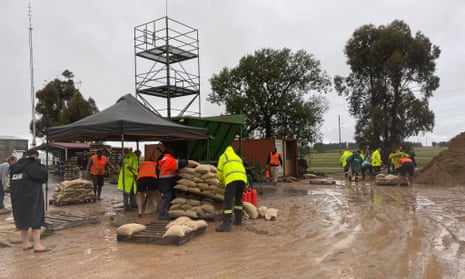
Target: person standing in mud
(407, 166)
(127, 179)
(343, 160)
(355, 163)
(376, 161)
(147, 184)
(231, 173)
(4, 172)
(27, 199)
(96, 167)
(275, 161)
(395, 159)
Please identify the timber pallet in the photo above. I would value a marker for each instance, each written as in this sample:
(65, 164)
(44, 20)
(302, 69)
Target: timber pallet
(64, 221)
(60, 203)
(154, 232)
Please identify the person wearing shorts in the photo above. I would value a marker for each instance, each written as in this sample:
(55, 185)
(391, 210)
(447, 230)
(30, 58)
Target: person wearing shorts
(147, 182)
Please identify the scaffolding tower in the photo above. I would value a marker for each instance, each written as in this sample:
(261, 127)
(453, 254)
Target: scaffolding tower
(167, 66)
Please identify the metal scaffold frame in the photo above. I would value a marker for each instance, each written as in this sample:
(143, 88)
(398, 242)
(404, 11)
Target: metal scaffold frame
(167, 66)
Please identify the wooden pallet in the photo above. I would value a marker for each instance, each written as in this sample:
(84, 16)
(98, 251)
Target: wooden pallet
(60, 203)
(63, 221)
(154, 233)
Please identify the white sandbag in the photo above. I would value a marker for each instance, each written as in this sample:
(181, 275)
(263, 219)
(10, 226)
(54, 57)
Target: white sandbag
(187, 182)
(271, 214)
(250, 209)
(202, 169)
(130, 229)
(175, 231)
(261, 211)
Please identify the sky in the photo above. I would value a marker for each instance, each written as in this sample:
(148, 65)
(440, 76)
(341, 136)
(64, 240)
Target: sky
(94, 40)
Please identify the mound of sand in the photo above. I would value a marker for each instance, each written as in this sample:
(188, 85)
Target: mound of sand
(447, 168)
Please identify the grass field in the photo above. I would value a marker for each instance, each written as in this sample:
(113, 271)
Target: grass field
(328, 162)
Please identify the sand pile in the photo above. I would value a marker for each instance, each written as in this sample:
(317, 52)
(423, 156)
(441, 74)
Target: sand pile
(447, 168)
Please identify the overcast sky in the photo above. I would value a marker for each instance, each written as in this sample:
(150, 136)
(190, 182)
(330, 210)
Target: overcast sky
(94, 40)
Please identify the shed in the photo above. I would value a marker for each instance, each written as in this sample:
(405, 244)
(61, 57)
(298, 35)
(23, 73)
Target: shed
(10, 145)
(256, 151)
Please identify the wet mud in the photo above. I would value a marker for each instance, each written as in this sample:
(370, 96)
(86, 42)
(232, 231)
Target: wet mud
(322, 231)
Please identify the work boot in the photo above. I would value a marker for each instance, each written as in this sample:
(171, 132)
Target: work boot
(237, 217)
(226, 225)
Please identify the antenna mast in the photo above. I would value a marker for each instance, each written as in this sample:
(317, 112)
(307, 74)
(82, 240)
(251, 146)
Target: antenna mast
(31, 65)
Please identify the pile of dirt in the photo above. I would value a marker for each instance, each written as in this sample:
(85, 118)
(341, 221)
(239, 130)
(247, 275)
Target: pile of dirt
(447, 168)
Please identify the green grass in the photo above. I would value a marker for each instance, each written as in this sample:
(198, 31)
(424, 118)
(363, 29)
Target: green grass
(328, 162)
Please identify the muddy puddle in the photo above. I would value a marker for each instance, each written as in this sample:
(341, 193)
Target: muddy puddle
(322, 231)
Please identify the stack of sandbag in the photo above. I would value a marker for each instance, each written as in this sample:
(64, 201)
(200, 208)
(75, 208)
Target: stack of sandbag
(198, 193)
(77, 190)
(200, 180)
(186, 204)
(252, 212)
(389, 179)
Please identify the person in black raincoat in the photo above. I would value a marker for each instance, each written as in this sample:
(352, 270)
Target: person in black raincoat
(27, 198)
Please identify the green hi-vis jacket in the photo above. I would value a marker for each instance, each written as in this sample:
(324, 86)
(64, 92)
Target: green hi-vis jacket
(230, 167)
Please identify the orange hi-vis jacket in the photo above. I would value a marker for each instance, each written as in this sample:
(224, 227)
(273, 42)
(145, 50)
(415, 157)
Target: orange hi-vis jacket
(97, 166)
(405, 160)
(274, 159)
(168, 166)
(147, 169)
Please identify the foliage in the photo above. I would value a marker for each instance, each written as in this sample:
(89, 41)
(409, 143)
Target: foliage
(60, 102)
(271, 87)
(392, 78)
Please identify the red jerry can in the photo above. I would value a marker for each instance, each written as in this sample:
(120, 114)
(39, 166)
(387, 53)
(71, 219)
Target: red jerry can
(244, 196)
(249, 196)
(253, 197)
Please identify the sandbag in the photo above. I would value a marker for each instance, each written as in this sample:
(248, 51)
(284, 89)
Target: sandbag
(250, 209)
(130, 229)
(271, 214)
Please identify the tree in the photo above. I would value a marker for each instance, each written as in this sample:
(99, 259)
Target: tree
(392, 78)
(271, 88)
(60, 102)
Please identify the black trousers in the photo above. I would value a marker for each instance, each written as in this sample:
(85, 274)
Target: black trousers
(233, 195)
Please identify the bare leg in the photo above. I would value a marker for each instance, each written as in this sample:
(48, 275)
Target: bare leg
(36, 240)
(140, 202)
(25, 239)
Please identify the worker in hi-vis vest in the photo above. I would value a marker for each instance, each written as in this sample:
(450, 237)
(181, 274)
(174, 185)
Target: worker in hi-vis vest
(275, 161)
(231, 173)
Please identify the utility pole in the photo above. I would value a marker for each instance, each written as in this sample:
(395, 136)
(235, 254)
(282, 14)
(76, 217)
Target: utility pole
(339, 128)
(31, 65)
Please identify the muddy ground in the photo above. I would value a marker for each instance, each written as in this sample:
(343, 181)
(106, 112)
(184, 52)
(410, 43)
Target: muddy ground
(322, 231)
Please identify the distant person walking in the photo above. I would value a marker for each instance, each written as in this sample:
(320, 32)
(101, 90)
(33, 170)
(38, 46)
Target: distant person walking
(5, 172)
(27, 198)
(96, 167)
(275, 161)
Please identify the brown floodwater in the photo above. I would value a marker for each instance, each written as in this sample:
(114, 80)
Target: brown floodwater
(322, 231)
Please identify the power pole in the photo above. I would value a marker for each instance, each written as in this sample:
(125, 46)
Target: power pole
(31, 65)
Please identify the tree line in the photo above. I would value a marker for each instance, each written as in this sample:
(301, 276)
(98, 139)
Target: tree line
(283, 92)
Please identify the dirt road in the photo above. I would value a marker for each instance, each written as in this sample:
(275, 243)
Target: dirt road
(322, 231)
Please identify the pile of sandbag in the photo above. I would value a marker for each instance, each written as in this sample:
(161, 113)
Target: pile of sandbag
(198, 193)
(390, 179)
(69, 191)
(200, 180)
(182, 226)
(194, 207)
